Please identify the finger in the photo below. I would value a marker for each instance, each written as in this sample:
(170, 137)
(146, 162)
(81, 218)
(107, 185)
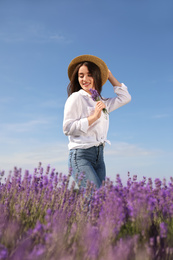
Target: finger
(100, 103)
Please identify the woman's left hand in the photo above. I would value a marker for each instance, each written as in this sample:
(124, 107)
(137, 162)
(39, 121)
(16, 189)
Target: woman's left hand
(113, 80)
(109, 74)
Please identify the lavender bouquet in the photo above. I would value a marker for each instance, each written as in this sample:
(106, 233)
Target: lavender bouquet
(95, 96)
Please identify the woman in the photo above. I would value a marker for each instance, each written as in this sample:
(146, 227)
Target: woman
(86, 121)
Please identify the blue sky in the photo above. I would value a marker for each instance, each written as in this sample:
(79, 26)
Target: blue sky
(38, 39)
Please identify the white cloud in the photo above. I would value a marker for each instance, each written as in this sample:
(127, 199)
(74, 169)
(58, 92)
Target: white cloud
(54, 154)
(119, 159)
(30, 32)
(161, 116)
(57, 155)
(122, 149)
(57, 37)
(122, 158)
(24, 126)
(6, 100)
(11, 37)
(52, 103)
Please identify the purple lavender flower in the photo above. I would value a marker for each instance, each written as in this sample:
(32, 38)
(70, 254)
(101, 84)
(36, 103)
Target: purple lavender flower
(2, 173)
(88, 222)
(3, 252)
(95, 96)
(163, 229)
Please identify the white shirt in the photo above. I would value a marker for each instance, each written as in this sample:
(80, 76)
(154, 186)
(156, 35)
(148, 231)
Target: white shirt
(78, 107)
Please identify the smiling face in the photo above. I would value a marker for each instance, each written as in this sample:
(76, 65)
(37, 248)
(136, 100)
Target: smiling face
(85, 79)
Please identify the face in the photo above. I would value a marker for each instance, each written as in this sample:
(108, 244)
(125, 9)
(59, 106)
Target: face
(85, 79)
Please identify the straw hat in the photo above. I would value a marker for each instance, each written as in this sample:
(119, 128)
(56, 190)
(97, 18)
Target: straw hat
(100, 63)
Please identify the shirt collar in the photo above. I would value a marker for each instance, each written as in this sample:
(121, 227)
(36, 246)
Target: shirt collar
(84, 93)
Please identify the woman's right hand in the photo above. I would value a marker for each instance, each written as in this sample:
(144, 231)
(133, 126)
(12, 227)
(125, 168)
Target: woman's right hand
(98, 109)
(97, 112)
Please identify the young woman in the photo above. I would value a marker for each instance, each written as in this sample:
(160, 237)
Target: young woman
(86, 121)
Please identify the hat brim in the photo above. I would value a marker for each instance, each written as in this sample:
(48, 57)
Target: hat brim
(99, 62)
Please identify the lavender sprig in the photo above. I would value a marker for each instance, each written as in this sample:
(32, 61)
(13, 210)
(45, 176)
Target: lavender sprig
(95, 96)
(41, 210)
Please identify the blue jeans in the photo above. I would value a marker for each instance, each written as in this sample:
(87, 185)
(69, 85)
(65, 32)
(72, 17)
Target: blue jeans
(90, 163)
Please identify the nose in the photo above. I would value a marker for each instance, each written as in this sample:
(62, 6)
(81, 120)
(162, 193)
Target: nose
(85, 77)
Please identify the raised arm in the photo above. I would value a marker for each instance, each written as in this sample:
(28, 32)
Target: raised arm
(113, 80)
(123, 97)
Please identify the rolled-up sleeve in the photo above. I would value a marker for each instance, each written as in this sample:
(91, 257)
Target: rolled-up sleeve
(73, 123)
(123, 97)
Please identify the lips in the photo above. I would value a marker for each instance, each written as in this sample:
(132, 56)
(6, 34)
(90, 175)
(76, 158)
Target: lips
(86, 84)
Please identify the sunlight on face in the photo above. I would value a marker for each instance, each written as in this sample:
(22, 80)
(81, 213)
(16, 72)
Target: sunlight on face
(85, 79)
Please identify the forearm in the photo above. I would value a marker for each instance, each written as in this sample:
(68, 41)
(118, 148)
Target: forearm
(113, 80)
(123, 97)
(97, 113)
(91, 119)
(77, 127)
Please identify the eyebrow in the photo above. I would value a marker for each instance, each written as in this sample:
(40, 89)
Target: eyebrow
(81, 73)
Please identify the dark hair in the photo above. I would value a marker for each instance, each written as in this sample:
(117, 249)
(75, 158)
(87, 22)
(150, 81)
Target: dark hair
(93, 69)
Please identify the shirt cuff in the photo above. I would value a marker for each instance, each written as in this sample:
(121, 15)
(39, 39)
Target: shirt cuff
(84, 125)
(123, 86)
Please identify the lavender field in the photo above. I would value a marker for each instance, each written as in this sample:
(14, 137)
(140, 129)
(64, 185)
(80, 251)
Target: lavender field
(42, 217)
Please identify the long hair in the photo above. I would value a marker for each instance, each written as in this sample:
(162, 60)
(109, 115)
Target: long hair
(93, 69)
